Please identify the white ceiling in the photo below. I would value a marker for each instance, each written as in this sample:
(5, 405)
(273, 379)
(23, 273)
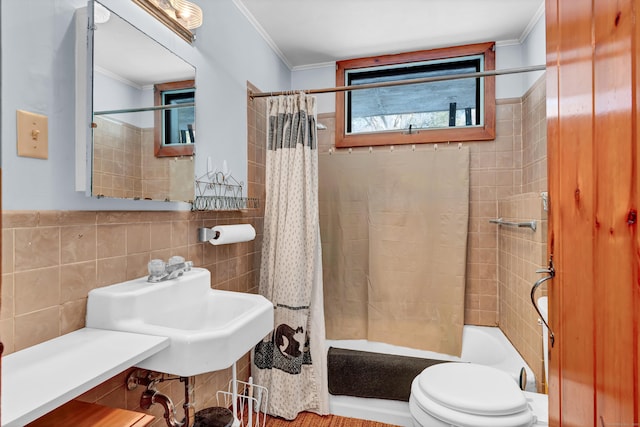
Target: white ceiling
(311, 32)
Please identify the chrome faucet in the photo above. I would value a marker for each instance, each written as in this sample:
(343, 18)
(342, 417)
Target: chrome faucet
(159, 271)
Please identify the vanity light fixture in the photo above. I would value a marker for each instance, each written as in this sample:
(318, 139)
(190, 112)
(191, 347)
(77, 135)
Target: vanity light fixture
(181, 16)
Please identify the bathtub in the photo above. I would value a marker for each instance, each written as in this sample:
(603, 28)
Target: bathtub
(480, 344)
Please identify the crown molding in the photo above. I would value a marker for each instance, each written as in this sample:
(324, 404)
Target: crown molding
(254, 22)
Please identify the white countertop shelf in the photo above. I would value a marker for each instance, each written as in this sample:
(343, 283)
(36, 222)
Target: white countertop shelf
(39, 379)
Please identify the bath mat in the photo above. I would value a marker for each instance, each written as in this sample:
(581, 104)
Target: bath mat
(373, 375)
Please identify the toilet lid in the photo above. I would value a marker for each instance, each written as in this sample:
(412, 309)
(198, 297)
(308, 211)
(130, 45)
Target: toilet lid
(471, 388)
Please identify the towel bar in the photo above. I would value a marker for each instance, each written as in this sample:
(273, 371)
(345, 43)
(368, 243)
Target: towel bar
(527, 224)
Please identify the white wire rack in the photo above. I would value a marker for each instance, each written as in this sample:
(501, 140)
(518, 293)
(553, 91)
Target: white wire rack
(250, 398)
(220, 192)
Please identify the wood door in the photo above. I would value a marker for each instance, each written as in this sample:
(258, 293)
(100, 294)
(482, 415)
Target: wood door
(592, 108)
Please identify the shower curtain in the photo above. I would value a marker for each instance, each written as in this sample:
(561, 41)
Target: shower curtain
(394, 232)
(291, 362)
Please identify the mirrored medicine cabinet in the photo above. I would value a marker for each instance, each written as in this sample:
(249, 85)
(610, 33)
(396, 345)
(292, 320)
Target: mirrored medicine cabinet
(143, 129)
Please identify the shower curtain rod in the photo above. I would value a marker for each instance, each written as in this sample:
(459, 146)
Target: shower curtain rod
(518, 70)
(141, 109)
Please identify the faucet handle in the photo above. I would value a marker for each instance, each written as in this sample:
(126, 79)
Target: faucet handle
(156, 267)
(176, 259)
(159, 271)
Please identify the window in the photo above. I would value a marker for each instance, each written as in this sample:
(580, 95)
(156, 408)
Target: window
(174, 132)
(442, 111)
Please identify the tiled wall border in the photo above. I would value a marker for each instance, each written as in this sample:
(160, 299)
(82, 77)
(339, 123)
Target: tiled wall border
(51, 259)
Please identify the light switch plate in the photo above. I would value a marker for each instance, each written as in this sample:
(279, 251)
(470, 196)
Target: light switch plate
(33, 135)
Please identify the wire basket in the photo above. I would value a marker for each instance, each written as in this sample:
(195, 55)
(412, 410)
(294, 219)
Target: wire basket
(251, 398)
(220, 192)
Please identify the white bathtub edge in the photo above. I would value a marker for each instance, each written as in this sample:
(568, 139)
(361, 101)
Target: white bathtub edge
(383, 411)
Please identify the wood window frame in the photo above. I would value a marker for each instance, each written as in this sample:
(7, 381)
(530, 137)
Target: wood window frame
(171, 150)
(485, 132)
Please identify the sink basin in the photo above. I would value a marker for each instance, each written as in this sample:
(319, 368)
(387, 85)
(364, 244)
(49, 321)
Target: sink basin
(208, 329)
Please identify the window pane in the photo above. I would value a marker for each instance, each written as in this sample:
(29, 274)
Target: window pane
(178, 122)
(425, 105)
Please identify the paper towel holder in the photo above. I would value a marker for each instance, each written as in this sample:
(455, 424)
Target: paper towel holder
(206, 234)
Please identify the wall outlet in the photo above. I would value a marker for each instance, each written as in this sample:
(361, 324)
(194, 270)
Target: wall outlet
(33, 135)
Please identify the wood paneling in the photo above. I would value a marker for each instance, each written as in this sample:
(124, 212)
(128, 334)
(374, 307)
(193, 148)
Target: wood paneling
(635, 49)
(575, 155)
(593, 184)
(555, 393)
(614, 235)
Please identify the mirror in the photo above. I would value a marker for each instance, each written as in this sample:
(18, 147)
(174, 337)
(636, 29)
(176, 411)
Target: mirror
(143, 115)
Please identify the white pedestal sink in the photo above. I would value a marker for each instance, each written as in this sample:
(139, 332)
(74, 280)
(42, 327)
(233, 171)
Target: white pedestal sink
(209, 329)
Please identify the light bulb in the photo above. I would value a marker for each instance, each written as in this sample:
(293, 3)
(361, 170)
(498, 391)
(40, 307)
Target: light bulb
(189, 14)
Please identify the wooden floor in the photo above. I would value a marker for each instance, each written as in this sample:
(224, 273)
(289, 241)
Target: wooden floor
(306, 419)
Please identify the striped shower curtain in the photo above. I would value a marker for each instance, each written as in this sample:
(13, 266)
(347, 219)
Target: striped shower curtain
(291, 362)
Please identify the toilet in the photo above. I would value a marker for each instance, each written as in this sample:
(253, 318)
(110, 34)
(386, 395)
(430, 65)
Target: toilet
(471, 395)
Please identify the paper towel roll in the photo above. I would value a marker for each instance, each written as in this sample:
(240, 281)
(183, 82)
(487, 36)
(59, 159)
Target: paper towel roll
(232, 234)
